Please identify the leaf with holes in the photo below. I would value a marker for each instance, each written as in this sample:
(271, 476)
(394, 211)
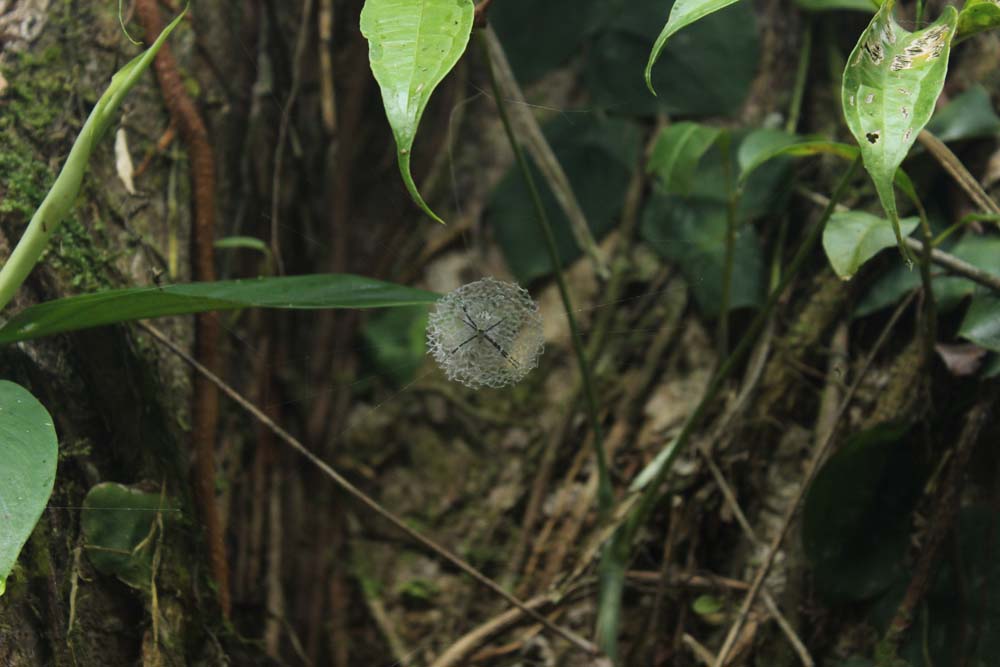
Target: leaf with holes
(412, 45)
(682, 14)
(978, 16)
(891, 83)
(676, 154)
(851, 238)
(28, 454)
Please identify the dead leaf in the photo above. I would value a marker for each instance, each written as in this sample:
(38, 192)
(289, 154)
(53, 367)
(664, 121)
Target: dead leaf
(961, 359)
(123, 160)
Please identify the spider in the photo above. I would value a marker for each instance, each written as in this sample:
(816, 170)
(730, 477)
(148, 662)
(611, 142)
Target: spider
(479, 332)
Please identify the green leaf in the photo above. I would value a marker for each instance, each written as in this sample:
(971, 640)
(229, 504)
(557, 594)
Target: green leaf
(981, 251)
(397, 342)
(691, 232)
(412, 45)
(891, 83)
(119, 531)
(991, 368)
(867, 6)
(676, 154)
(756, 154)
(705, 605)
(61, 196)
(968, 116)
(977, 16)
(564, 23)
(982, 322)
(598, 156)
(28, 455)
(123, 305)
(855, 521)
(851, 238)
(682, 14)
(243, 243)
(707, 70)
(966, 585)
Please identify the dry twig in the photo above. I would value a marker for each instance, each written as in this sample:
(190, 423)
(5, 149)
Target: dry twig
(364, 498)
(814, 465)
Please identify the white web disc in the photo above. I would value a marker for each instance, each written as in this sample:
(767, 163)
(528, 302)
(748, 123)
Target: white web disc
(486, 333)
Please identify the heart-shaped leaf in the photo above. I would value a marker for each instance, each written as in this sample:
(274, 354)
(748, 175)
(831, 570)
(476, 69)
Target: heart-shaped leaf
(968, 116)
(982, 322)
(978, 16)
(120, 531)
(855, 521)
(851, 238)
(412, 45)
(676, 154)
(123, 305)
(682, 14)
(891, 83)
(28, 455)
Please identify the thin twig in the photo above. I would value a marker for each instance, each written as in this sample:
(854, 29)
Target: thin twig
(364, 498)
(946, 506)
(641, 505)
(818, 457)
(286, 116)
(328, 91)
(605, 498)
(945, 260)
(528, 130)
(205, 400)
(957, 170)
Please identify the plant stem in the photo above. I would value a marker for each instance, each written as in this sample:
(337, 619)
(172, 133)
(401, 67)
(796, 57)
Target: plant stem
(621, 542)
(795, 107)
(61, 196)
(972, 217)
(605, 500)
(930, 305)
(732, 202)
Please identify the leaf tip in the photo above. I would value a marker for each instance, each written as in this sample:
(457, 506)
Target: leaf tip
(648, 76)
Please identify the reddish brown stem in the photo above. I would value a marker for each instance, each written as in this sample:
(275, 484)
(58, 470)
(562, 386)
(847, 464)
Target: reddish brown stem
(481, 9)
(205, 398)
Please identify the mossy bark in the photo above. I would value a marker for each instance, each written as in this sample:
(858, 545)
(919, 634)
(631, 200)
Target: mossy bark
(118, 405)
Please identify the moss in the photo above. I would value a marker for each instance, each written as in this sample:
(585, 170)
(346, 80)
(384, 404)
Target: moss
(37, 119)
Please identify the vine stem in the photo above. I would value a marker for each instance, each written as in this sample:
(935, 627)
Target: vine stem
(205, 397)
(626, 533)
(605, 499)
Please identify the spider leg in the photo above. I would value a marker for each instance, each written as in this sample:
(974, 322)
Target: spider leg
(471, 322)
(502, 351)
(494, 325)
(465, 342)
